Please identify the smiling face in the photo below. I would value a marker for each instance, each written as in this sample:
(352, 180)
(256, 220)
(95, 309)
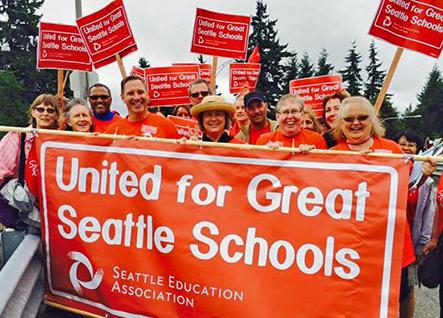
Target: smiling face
(100, 100)
(307, 122)
(214, 122)
(80, 118)
(356, 124)
(135, 97)
(289, 117)
(257, 113)
(45, 116)
(197, 92)
(409, 147)
(240, 112)
(183, 112)
(331, 112)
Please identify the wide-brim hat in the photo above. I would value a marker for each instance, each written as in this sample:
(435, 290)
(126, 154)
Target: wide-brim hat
(213, 102)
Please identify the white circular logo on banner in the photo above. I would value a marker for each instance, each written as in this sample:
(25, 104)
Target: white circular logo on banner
(96, 278)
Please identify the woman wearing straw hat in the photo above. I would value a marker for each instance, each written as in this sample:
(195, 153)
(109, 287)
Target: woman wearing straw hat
(214, 117)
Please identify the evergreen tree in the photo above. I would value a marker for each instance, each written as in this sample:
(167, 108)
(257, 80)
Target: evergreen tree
(373, 85)
(306, 68)
(13, 107)
(272, 53)
(351, 74)
(429, 106)
(18, 43)
(291, 71)
(376, 76)
(323, 67)
(143, 62)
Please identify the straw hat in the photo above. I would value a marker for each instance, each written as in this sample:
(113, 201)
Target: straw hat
(213, 102)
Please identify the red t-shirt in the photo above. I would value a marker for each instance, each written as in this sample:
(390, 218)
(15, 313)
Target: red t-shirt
(151, 125)
(440, 203)
(254, 133)
(101, 125)
(389, 146)
(304, 137)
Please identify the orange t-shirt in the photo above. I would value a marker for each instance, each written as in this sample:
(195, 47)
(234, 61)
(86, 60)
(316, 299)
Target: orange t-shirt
(102, 125)
(254, 134)
(151, 125)
(304, 137)
(389, 146)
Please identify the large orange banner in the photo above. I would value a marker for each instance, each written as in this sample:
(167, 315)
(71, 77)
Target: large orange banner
(148, 229)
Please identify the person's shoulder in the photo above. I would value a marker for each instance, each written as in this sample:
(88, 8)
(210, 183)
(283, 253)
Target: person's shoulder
(390, 145)
(341, 145)
(265, 138)
(114, 126)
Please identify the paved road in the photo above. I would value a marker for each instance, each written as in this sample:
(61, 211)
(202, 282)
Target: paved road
(427, 303)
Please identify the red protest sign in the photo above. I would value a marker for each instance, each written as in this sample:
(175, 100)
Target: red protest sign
(168, 86)
(106, 33)
(411, 24)
(243, 74)
(61, 47)
(185, 231)
(204, 70)
(186, 127)
(220, 34)
(314, 89)
(138, 71)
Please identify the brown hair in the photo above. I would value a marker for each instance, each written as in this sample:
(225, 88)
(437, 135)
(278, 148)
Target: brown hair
(341, 95)
(45, 99)
(128, 79)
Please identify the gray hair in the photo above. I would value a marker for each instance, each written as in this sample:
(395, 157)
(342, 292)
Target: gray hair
(290, 97)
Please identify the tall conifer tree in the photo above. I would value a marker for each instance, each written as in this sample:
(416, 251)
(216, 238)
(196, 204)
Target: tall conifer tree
(306, 68)
(323, 67)
(351, 74)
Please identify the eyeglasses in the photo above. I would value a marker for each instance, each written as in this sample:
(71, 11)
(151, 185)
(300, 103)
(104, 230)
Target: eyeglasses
(293, 112)
(41, 110)
(197, 94)
(96, 97)
(359, 118)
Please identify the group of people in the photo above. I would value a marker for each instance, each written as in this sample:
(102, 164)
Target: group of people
(350, 124)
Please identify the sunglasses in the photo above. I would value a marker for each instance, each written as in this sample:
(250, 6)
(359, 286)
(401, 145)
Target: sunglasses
(41, 110)
(96, 97)
(202, 94)
(360, 118)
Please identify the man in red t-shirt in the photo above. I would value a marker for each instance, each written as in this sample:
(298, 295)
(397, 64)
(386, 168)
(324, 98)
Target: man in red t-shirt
(140, 122)
(289, 113)
(256, 108)
(100, 100)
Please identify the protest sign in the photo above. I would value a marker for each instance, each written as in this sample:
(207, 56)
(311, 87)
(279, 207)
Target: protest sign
(411, 24)
(139, 228)
(204, 70)
(168, 86)
(241, 75)
(107, 33)
(220, 34)
(138, 71)
(186, 127)
(314, 89)
(61, 47)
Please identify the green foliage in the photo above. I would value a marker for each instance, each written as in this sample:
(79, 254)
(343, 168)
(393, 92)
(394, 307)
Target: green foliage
(143, 62)
(306, 68)
(323, 67)
(291, 71)
(352, 73)
(376, 76)
(272, 54)
(429, 107)
(13, 107)
(18, 43)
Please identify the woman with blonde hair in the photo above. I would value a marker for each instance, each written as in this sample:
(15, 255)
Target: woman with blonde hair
(309, 121)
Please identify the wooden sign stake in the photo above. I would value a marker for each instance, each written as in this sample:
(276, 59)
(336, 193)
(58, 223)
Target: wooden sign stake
(121, 66)
(388, 79)
(213, 73)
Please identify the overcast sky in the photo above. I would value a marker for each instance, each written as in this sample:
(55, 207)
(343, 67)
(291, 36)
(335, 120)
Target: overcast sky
(163, 32)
